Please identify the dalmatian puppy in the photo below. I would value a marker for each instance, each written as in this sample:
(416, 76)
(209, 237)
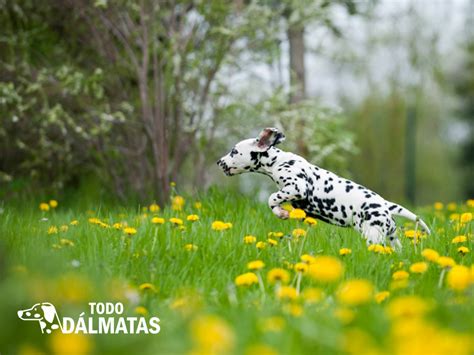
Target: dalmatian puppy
(320, 193)
(44, 313)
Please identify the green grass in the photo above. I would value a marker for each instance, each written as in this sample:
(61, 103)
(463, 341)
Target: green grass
(106, 265)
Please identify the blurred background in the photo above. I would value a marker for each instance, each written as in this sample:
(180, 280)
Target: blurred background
(118, 99)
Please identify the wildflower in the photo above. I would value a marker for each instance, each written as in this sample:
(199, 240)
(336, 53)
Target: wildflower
(466, 217)
(326, 269)
(261, 245)
(64, 228)
(309, 259)
(191, 247)
(345, 315)
(275, 235)
(272, 324)
(438, 206)
(355, 292)
(249, 239)
(220, 226)
(411, 233)
(399, 284)
(44, 206)
(94, 220)
(154, 208)
(192, 218)
(463, 250)
(198, 205)
(53, 203)
(452, 206)
(53, 230)
(288, 265)
(301, 267)
(430, 255)
(117, 225)
(298, 232)
(130, 231)
(345, 251)
(379, 249)
(147, 287)
(157, 220)
(454, 217)
(470, 203)
(458, 278)
(142, 311)
(459, 239)
(103, 225)
(287, 293)
(177, 203)
(400, 275)
(407, 307)
(212, 335)
(381, 296)
(419, 268)
(311, 221)
(62, 343)
(74, 222)
(293, 309)
(312, 295)
(247, 279)
(272, 242)
(66, 242)
(297, 214)
(260, 349)
(278, 275)
(255, 265)
(445, 261)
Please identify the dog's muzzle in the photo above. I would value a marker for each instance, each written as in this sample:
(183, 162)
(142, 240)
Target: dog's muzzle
(224, 167)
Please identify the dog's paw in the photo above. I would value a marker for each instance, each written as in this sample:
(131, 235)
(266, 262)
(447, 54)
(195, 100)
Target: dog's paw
(281, 212)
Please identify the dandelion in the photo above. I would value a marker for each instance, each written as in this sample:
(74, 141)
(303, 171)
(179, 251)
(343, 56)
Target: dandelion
(275, 234)
(142, 311)
(459, 239)
(249, 239)
(64, 228)
(470, 203)
(212, 335)
(309, 259)
(117, 226)
(220, 226)
(407, 307)
(53, 230)
(311, 221)
(463, 250)
(400, 275)
(190, 247)
(62, 343)
(312, 295)
(345, 251)
(177, 203)
(261, 245)
(272, 242)
(297, 214)
(130, 231)
(381, 296)
(466, 217)
(157, 220)
(176, 221)
(293, 309)
(154, 208)
(53, 203)
(301, 267)
(454, 217)
(287, 293)
(380, 249)
(452, 206)
(413, 234)
(74, 222)
(419, 268)
(355, 292)
(298, 232)
(192, 218)
(66, 242)
(94, 220)
(147, 287)
(430, 255)
(44, 206)
(445, 261)
(247, 279)
(438, 206)
(197, 205)
(345, 315)
(260, 349)
(459, 278)
(278, 275)
(272, 324)
(255, 265)
(325, 269)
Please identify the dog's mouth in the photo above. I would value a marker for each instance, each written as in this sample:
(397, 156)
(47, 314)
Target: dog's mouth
(225, 168)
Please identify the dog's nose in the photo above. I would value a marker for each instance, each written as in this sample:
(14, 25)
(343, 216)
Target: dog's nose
(218, 162)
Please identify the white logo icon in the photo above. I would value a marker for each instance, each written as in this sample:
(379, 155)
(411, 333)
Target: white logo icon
(44, 313)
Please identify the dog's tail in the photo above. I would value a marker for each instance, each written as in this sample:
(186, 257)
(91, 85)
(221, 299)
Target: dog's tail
(401, 211)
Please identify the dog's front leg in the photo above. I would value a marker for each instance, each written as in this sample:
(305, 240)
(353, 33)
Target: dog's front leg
(286, 194)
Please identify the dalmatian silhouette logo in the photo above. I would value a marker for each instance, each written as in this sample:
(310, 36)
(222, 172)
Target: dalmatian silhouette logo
(44, 313)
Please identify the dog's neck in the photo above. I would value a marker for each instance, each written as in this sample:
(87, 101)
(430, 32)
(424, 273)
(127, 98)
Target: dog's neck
(270, 159)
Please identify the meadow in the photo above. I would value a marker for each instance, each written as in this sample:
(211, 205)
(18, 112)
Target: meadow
(225, 276)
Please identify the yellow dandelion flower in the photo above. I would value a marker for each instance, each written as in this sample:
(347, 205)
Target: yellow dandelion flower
(66, 242)
(272, 324)
(293, 309)
(157, 220)
(345, 315)
(298, 232)
(64, 228)
(459, 239)
(398, 284)
(301, 267)
(74, 222)
(275, 234)
(44, 206)
(345, 251)
(147, 287)
(142, 311)
(176, 221)
(452, 206)
(454, 217)
(255, 265)
(62, 343)
(407, 307)
(311, 221)
(411, 233)
(261, 245)
(212, 335)
(249, 239)
(272, 242)
(117, 225)
(297, 214)
(326, 269)
(53, 230)
(221, 226)
(463, 250)
(459, 278)
(53, 203)
(103, 225)
(177, 203)
(247, 279)
(190, 247)
(430, 255)
(445, 261)
(94, 220)
(192, 218)
(355, 292)
(312, 295)
(419, 268)
(130, 231)
(381, 296)
(287, 293)
(278, 275)
(400, 275)
(260, 349)
(466, 217)
(309, 259)
(438, 206)
(470, 203)
(198, 205)
(154, 208)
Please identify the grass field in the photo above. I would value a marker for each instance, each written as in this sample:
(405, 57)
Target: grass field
(408, 302)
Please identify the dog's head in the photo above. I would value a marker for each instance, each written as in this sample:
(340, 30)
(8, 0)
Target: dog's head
(40, 311)
(244, 156)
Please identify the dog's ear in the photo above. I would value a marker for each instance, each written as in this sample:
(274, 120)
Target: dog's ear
(268, 138)
(49, 311)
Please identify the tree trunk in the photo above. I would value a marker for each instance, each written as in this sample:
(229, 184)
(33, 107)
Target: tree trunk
(297, 68)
